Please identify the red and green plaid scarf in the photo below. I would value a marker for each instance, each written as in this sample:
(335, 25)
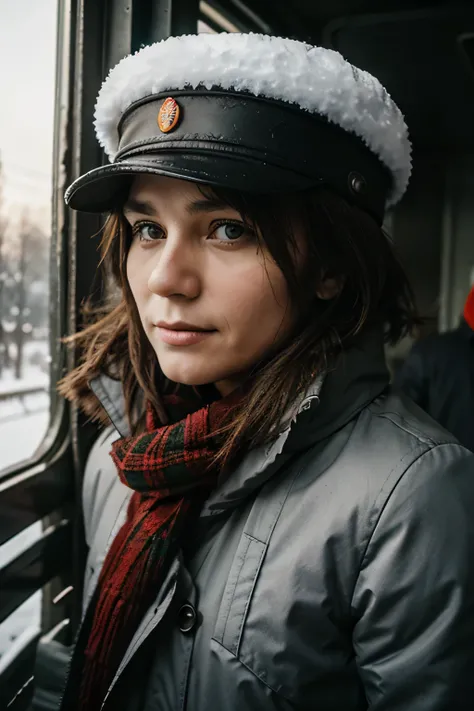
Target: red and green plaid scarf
(169, 469)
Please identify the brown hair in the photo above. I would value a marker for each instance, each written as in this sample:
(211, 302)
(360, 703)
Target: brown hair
(343, 242)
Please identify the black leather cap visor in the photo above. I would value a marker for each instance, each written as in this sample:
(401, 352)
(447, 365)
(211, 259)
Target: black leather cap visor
(236, 141)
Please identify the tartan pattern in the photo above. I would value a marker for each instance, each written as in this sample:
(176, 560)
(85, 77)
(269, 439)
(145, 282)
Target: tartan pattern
(165, 466)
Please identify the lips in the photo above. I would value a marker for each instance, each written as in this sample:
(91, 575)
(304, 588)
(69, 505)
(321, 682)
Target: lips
(182, 326)
(182, 334)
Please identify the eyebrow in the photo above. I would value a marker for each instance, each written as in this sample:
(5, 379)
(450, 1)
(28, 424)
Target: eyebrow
(142, 207)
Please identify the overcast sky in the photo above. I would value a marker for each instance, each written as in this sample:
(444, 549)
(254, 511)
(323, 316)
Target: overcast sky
(27, 75)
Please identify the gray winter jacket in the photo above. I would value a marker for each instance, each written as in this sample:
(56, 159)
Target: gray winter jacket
(332, 571)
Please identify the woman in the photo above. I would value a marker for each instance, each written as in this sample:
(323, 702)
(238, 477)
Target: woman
(275, 528)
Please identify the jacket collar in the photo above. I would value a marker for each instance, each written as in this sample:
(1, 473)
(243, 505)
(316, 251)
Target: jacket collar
(330, 403)
(109, 392)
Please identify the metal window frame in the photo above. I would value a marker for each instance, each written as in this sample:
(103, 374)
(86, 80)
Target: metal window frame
(37, 489)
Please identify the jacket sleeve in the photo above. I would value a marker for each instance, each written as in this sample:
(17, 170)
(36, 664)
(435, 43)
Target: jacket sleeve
(98, 482)
(104, 504)
(413, 603)
(413, 378)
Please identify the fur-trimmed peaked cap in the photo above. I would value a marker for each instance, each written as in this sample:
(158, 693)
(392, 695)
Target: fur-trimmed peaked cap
(250, 112)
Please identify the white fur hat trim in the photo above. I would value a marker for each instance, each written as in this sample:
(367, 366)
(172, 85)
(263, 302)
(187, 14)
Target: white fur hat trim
(316, 79)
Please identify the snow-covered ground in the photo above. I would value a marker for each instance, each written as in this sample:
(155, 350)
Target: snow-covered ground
(20, 437)
(23, 421)
(23, 424)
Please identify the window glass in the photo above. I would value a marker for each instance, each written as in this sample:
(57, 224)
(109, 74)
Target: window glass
(27, 85)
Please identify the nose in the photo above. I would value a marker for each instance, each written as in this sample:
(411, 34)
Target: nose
(176, 269)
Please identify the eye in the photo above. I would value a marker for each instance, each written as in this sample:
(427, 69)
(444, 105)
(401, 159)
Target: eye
(147, 231)
(231, 231)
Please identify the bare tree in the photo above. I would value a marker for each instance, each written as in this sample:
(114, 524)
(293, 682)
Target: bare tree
(28, 261)
(4, 353)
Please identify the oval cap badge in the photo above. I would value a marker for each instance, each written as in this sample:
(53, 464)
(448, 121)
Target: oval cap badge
(168, 115)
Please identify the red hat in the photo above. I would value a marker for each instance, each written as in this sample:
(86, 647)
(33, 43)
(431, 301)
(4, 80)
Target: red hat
(469, 309)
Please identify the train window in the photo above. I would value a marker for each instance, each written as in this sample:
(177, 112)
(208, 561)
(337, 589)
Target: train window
(27, 48)
(28, 34)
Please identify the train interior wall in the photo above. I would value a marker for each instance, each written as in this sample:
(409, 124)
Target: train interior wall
(433, 233)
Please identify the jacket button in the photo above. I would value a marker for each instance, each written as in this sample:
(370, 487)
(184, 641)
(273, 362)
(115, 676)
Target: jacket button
(187, 618)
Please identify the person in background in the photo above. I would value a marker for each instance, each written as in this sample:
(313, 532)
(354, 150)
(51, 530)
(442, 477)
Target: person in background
(438, 375)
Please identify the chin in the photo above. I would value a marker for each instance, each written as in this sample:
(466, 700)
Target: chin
(189, 375)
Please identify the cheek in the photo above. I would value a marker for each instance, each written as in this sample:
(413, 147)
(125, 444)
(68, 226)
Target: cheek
(254, 302)
(137, 280)
(245, 298)
(132, 270)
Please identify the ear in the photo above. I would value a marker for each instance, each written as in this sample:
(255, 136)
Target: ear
(329, 288)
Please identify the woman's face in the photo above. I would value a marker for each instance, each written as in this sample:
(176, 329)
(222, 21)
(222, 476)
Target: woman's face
(211, 299)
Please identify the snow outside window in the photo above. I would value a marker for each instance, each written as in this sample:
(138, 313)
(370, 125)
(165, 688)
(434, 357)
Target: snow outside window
(27, 85)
